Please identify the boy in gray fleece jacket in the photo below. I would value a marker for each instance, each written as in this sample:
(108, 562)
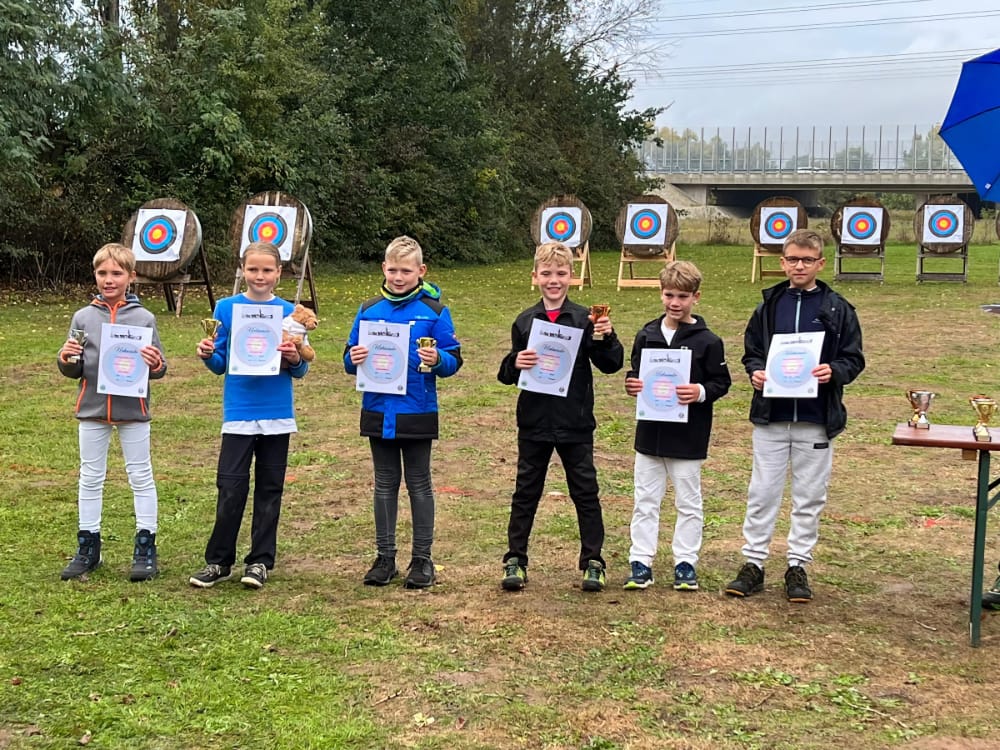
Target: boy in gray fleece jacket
(100, 413)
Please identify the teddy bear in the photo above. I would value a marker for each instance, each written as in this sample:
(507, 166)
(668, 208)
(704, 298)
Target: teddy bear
(295, 327)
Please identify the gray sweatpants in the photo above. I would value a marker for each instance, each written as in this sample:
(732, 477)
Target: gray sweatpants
(809, 451)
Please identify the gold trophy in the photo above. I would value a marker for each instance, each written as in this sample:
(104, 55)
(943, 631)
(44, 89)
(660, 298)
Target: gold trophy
(920, 401)
(210, 326)
(79, 336)
(985, 408)
(423, 342)
(597, 312)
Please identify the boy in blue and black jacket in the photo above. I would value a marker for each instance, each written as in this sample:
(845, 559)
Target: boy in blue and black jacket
(400, 428)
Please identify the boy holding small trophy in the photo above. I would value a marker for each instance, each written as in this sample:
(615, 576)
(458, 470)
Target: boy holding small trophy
(401, 425)
(100, 411)
(561, 421)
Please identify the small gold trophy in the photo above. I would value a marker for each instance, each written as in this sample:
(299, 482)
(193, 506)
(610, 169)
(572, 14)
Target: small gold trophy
(423, 342)
(920, 401)
(597, 312)
(985, 408)
(79, 336)
(210, 326)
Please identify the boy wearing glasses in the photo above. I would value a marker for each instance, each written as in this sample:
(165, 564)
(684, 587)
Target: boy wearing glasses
(795, 431)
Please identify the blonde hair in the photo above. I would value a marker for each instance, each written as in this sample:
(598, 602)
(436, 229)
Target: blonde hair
(403, 248)
(804, 238)
(682, 275)
(261, 248)
(555, 253)
(117, 253)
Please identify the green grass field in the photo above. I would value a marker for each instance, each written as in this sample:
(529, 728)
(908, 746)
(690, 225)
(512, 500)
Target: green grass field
(316, 660)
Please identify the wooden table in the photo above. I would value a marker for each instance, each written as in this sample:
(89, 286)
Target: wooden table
(954, 436)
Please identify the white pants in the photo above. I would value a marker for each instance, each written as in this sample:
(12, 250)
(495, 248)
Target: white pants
(94, 440)
(650, 476)
(810, 453)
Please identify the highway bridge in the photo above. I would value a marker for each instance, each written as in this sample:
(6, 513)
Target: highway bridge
(740, 167)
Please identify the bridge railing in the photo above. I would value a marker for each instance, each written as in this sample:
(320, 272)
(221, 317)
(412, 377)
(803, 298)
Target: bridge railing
(800, 149)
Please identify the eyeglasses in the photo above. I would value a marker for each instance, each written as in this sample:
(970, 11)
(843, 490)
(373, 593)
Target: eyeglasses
(794, 261)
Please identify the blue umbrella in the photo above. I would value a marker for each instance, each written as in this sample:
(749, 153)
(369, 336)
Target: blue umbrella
(972, 126)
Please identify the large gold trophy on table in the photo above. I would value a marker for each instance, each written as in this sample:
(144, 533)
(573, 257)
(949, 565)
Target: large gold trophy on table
(920, 402)
(985, 408)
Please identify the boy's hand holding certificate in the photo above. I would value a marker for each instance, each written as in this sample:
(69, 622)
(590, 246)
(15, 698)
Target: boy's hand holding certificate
(790, 362)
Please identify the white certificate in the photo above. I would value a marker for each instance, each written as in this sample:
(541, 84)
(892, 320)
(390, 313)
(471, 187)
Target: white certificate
(661, 371)
(253, 340)
(557, 347)
(384, 369)
(122, 370)
(790, 362)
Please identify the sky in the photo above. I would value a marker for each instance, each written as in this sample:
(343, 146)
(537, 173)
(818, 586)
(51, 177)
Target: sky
(730, 63)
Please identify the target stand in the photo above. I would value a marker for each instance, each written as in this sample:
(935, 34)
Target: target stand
(566, 219)
(860, 227)
(647, 228)
(285, 222)
(772, 220)
(165, 236)
(943, 226)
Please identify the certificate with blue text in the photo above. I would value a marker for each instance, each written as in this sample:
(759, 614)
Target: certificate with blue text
(384, 369)
(254, 339)
(790, 362)
(661, 371)
(123, 371)
(557, 347)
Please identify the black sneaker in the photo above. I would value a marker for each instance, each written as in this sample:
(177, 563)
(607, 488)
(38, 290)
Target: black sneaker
(991, 597)
(420, 574)
(210, 575)
(382, 571)
(87, 557)
(515, 575)
(748, 581)
(144, 565)
(797, 585)
(254, 576)
(593, 577)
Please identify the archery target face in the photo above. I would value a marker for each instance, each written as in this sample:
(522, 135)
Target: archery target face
(776, 223)
(274, 224)
(861, 225)
(944, 224)
(645, 224)
(562, 224)
(159, 233)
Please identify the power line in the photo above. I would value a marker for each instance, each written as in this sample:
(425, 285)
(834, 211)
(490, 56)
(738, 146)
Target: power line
(731, 82)
(792, 9)
(824, 26)
(903, 58)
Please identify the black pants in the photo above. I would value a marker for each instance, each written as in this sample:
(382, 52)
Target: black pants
(233, 481)
(415, 456)
(581, 477)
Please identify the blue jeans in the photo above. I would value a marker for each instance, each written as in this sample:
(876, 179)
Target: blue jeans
(393, 461)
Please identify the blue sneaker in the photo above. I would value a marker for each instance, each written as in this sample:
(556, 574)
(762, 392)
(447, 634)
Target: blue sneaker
(642, 576)
(685, 579)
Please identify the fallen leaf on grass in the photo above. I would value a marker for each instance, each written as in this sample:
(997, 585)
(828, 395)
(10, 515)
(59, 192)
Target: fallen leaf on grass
(85, 740)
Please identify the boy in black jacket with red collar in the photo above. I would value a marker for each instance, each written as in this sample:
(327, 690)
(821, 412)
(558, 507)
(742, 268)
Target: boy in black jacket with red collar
(564, 424)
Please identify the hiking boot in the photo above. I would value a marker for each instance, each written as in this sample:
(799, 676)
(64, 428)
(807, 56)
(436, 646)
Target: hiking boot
(991, 597)
(210, 575)
(748, 581)
(797, 585)
(642, 576)
(685, 577)
(254, 576)
(593, 577)
(144, 565)
(382, 571)
(87, 557)
(515, 575)
(420, 574)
